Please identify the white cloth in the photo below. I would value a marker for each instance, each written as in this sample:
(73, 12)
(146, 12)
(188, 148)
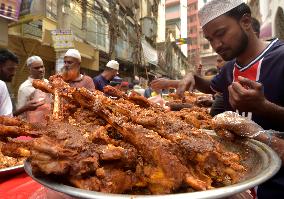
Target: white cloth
(113, 64)
(25, 91)
(139, 89)
(6, 107)
(216, 8)
(33, 59)
(73, 53)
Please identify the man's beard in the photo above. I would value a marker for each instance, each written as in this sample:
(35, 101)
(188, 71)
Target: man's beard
(70, 75)
(5, 78)
(243, 44)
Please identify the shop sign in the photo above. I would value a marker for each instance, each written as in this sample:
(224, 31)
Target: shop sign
(9, 9)
(32, 29)
(62, 39)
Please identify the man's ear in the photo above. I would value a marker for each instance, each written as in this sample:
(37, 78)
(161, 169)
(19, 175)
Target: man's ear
(245, 22)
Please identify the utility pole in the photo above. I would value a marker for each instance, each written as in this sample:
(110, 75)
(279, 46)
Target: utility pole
(84, 4)
(113, 28)
(63, 23)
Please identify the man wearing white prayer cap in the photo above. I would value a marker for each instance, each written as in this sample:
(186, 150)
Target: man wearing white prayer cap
(71, 71)
(30, 99)
(252, 79)
(110, 71)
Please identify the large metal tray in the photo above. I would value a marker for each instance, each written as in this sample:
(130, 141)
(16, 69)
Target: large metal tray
(261, 162)
(11, 170)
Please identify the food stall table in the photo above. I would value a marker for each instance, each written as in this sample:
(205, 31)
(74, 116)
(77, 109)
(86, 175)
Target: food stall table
(22, 186)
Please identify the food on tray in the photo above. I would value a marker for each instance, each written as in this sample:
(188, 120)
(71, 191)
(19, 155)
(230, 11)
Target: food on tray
(190, 100)
(6, 161)
(127, 145)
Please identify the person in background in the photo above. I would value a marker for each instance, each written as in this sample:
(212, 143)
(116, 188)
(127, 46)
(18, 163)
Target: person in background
(8, 65)
(71, 71)
(256, 26)
(124, 87)
(148, 92)
(219, 63)
(110, 71)
(198, 69)
(211, 72)
(218, 103)
(117, 79)
(35, 102)
(115, 84)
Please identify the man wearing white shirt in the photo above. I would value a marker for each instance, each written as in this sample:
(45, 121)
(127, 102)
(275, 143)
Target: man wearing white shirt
(8, 65)
(29, 98)
(6, 107)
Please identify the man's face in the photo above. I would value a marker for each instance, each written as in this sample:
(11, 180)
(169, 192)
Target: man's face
(113, 73)
(226, 37)
(37, 70)
(8, 70)
(71, 68)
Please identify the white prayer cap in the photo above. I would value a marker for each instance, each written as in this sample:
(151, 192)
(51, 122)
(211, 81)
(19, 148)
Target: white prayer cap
(216, 8)
(73, 53)
(113, 64)
(32, 59)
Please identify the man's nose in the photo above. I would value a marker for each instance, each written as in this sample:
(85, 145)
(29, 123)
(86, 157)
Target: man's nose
(217, 44)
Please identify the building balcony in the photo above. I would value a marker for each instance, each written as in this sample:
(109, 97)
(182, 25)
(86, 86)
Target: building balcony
(171, 16)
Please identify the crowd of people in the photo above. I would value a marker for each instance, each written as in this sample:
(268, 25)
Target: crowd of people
(247, 79)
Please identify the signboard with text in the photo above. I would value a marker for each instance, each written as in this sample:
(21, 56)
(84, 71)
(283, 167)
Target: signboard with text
(62, 39)
(9, 9)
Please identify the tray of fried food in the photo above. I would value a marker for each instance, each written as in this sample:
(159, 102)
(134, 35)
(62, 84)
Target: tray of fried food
(97, 147)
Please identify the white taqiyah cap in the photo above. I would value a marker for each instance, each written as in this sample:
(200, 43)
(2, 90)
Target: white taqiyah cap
(216, 8)
(73, 53)
(113, 64)
(32, 59)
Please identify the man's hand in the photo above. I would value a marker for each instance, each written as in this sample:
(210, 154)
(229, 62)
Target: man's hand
(236, 124)
(160, 83)
(187, 84)
(246, 95)
(32, 105)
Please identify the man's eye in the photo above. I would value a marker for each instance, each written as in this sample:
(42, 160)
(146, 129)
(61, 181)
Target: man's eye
(219, 34)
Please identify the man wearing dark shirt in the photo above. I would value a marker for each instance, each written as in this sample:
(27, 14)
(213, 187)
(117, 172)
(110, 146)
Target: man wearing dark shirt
(252, 80)
(110, 71)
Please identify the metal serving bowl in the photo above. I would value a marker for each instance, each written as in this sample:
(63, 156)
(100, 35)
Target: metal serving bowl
(261, 162)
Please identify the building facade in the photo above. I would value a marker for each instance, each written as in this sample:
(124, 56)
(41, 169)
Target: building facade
(270, 13)
(193, 33)
(101, 30)
(176, 21)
